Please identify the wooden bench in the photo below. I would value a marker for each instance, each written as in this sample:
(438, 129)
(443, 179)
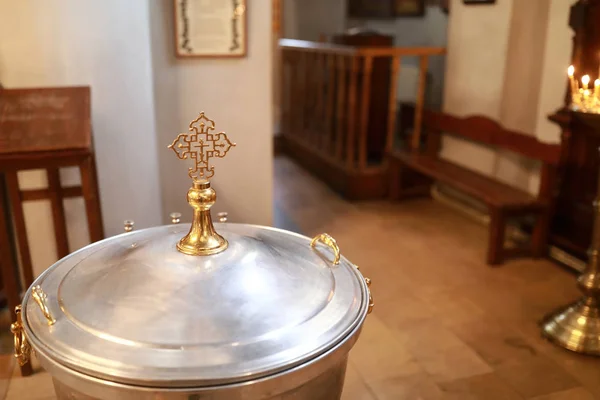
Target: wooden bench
(412, 172)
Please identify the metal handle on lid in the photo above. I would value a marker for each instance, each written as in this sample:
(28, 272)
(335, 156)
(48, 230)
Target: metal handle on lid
(40, 298)
(22, 346)
(327, 240)
(368, 282)
(371, 302)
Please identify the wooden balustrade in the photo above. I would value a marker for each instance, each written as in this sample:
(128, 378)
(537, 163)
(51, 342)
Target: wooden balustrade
(325, 106)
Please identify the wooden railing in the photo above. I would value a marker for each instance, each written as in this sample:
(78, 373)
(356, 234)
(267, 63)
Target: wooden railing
(325, 97)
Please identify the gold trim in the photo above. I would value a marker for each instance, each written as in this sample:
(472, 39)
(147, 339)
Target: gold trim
(202, 239)
(368, 282)
(371, 302)
(22, 346)
(201, 145)
(40, 298)
(329, 241)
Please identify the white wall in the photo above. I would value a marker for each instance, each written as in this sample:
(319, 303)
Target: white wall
(236, 93)
(475, 66)
(479, 82)
(557, 55)
(103, 44)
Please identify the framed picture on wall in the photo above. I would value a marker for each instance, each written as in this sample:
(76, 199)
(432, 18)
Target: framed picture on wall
(409, 8)
(370, 8)
(210, 28)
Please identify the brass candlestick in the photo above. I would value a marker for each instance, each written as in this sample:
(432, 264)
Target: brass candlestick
(577, 326)
(201, 145)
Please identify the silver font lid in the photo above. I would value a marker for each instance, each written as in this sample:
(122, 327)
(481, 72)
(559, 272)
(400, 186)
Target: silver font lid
(133, 309)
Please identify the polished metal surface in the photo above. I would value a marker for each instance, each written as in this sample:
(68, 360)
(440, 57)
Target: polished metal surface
(577, 326)
(132, 309)
(318, 379)
(246, 313)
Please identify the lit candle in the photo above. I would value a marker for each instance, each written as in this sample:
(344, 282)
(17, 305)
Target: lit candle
(586, 81)
(571, 72)
(597, 89)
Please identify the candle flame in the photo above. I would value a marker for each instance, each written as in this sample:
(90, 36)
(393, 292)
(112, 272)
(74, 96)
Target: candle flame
(571, 71)
(585, 79)
(597, 82)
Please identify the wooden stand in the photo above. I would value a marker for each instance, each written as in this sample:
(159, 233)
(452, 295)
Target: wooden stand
(44, 129)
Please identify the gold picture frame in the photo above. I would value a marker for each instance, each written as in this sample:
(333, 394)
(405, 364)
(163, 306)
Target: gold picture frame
(201, 31)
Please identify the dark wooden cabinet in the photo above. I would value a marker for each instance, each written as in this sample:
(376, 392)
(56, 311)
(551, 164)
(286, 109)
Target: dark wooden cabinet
(571, 229)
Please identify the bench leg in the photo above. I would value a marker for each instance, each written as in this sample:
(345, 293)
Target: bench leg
(539, 238)
(495, 253)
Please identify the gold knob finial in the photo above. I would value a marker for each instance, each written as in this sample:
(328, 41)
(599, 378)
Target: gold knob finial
(222, 216)
(175, 217)
(201, 145)
(128, 225)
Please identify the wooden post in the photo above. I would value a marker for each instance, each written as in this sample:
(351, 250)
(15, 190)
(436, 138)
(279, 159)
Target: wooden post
(416, 138)
(320, 66)
(91, 195)
(283, 104)
(350, 142)
(58, 213)
(364, 112)
(330, 103)
(14, 193)
(308, 88)
(341, 91)
(389, 141)
(10, 277)
(300, 94)
(291, 92)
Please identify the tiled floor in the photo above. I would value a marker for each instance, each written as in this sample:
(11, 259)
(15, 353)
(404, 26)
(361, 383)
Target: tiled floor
(445, 325)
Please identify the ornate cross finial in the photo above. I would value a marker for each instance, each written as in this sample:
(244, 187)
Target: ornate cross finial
(201, 145)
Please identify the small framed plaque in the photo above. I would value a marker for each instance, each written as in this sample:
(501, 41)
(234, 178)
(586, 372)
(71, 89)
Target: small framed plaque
(210, 28)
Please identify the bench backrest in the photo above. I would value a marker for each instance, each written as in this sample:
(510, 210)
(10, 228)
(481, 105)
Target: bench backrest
(486, 131)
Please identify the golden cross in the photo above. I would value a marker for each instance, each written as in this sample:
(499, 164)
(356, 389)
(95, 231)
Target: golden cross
(201, 145)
